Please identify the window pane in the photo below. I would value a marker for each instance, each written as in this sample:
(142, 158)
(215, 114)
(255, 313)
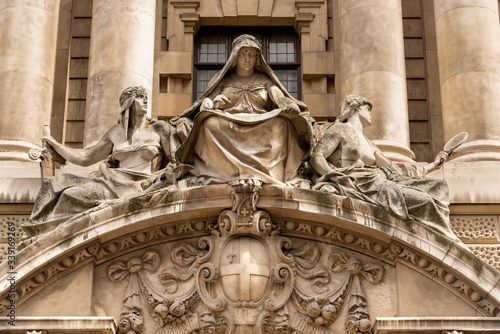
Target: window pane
(289, 79)
(204, 77)
(212, 49)
(282, 48)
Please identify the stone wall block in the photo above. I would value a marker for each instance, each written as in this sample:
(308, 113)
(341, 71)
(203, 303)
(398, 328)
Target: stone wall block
(475, 229)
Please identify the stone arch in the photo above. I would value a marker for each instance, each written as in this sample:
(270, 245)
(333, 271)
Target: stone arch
(106, 233)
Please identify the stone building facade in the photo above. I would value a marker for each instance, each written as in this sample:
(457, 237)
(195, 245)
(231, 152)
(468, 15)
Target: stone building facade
(431, 68)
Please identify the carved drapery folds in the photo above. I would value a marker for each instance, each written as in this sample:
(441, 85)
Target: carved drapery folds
(245, 277)
(131, 318)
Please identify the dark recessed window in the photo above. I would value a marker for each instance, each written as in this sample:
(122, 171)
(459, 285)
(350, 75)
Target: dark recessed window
(279, 47)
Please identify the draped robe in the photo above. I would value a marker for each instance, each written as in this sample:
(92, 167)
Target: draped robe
(246, 140)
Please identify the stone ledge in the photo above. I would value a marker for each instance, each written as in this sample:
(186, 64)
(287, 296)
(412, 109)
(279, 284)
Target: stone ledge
(59, 325)
(436, 325)
(318, 64)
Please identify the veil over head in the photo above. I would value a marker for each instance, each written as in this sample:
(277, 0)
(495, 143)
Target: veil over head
(260, 65)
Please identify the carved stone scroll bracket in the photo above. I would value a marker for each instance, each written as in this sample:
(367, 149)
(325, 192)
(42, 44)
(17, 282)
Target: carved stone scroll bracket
(244, 218)
(206, 277)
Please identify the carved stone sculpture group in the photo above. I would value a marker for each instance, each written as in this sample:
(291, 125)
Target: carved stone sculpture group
(246, 130)
(245, 126)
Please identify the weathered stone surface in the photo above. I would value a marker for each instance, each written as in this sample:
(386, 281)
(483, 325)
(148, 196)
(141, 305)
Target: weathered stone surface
(424, 273)
(350, 165)
(137, 148)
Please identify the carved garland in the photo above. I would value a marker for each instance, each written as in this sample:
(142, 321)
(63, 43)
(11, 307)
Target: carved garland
(246, 270)
(245, 217)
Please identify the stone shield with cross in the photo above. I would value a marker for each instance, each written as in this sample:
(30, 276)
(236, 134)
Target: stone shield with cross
(245, 269)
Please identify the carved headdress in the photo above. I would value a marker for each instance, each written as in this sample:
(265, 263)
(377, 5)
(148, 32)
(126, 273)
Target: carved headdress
(126, 99)
(260, 65)
(350, 105)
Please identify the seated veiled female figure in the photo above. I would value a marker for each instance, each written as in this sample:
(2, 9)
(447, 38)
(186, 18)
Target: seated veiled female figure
(136, 149)
(351, 165)
(246, 124)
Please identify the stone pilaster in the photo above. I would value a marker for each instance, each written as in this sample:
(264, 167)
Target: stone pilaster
(373, 65)
(468, 46)
(311, 22)
(121, 55)
(182, 26)
(28, 39)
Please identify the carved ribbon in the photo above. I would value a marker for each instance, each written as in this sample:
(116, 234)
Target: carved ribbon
(372, 272)
(306, 259)
(131, 319)
(358, 319)
(117, 271)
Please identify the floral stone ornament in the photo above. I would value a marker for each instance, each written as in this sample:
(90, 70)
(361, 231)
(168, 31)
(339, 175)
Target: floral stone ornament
(245, 278)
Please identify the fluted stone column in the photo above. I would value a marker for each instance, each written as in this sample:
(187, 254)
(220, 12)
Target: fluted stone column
(28, 41)
(121, 55)
(468, 46)
(373, 65)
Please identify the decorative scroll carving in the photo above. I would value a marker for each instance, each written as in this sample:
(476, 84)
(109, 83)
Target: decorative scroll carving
(246, 271)
(387, 252)
(325, 309)
(158, 234)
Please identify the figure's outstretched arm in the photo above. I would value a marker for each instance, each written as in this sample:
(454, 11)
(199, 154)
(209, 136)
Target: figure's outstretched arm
(380, 159)
(83, 157)
(437, 163)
